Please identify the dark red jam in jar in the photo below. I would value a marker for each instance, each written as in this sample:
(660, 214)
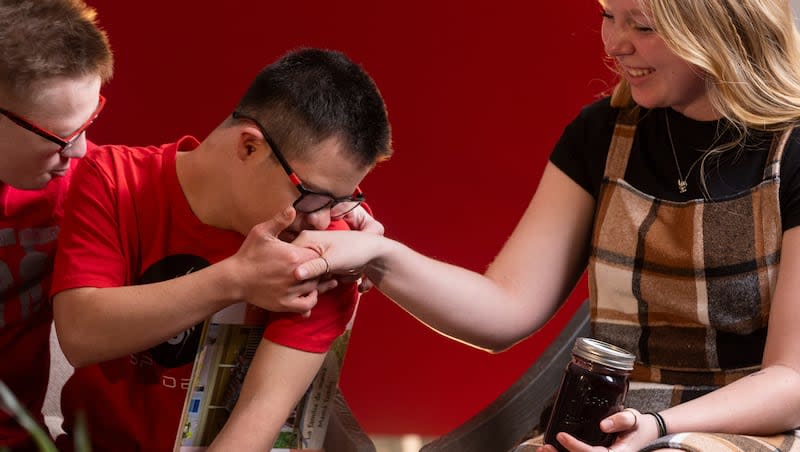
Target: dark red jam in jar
(593, 387)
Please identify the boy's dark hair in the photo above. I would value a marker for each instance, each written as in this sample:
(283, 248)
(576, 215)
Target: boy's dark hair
(310, 95)
(41, 39)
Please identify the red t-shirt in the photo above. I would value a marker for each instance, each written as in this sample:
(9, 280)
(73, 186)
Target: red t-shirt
(29, 222)
(129, 223)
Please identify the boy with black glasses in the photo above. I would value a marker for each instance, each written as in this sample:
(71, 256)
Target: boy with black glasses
(159, 238)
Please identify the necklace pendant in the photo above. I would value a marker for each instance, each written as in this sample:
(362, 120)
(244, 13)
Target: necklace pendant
(682, 185)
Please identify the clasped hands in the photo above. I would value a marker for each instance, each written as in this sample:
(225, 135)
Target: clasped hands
(288, 277)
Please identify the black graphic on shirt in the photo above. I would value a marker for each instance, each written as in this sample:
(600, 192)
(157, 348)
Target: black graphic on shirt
(180, 349)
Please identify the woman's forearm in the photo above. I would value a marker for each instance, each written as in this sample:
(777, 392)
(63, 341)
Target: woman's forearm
(764, 403)
(459, 303)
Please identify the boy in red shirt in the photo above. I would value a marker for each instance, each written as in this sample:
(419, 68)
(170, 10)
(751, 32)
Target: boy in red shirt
(53, 60)
(158, 238)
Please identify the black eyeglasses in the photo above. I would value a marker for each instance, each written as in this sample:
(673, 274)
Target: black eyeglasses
(310, 201)
(64, 143)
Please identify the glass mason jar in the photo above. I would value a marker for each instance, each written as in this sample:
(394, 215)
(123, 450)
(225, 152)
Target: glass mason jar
(594, 386)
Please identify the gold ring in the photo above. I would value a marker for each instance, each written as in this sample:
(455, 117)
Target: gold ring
(327, 264)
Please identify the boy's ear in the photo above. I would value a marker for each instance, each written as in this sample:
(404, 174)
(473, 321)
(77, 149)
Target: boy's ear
(247, 145)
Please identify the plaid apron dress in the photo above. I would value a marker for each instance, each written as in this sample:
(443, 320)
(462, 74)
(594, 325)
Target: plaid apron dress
(686, 287)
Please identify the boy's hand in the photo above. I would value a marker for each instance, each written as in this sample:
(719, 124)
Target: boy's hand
(263, 269)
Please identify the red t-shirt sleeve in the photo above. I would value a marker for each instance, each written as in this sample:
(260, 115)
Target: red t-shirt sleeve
(89, 249)
(328, 319)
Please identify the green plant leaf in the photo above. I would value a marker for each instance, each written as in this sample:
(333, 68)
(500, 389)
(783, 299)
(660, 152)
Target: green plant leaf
(82, 443)
(10, 404)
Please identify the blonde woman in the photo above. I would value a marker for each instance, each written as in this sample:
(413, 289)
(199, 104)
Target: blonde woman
(680, 194)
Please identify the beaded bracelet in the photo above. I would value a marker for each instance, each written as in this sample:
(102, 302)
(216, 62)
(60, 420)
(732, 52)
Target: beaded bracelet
(662, 426)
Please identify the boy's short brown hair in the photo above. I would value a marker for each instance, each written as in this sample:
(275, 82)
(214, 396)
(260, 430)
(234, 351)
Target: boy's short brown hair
(42, 39)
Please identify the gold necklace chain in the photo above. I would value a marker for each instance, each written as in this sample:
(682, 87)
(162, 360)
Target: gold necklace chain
(682, 184)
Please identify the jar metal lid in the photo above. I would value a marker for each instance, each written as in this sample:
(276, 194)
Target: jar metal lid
(603, 353)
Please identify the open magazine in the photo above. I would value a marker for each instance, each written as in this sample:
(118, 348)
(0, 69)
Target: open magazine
(227, 346)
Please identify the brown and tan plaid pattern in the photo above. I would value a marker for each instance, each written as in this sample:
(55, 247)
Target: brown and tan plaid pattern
(706, 442)
(722, 442)
(686, 287)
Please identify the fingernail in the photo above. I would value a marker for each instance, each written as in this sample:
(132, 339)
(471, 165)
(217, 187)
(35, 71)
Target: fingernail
(606, 424)
(301, 273)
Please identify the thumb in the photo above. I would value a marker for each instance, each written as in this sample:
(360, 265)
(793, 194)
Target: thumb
(279, 222)
(311, 269)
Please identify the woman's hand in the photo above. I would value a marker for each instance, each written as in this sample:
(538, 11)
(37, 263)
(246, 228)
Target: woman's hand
(341, 253)
(360, 220)
(634, 430)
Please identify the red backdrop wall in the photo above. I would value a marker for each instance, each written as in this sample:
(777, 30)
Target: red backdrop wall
(477, 92)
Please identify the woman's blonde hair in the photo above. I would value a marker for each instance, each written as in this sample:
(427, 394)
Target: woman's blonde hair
(747, 49)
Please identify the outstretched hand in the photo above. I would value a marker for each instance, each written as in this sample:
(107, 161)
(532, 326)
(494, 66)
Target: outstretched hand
(263, 269)
(634, 430)
(339, 254)
(358, 220)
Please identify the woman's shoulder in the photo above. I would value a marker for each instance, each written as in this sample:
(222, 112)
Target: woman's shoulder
(583, 146)
(600, 109)
(790, 163)
(593, 125)
(791, 152)
(790, 181)
(593, 119)
(794, 137)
